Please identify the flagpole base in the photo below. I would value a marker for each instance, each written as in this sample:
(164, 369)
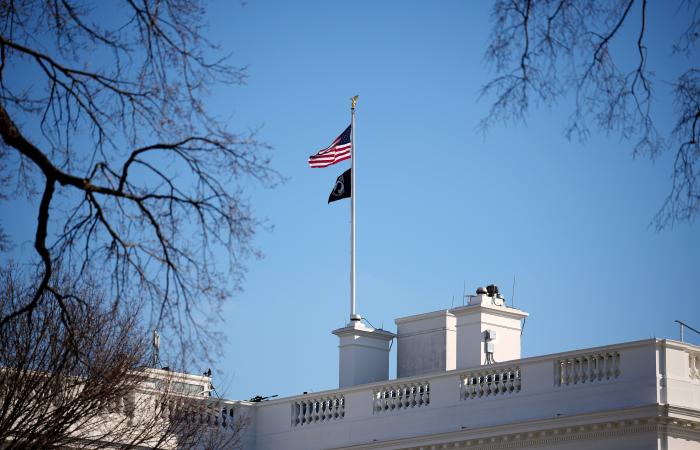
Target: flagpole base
(355, 317)
(363, 354)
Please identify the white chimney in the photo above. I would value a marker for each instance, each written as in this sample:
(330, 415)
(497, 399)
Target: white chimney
(425, 343)
(487, 325)
(363, 354)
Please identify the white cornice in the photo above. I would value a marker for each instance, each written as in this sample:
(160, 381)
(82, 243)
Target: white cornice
(429, 315)
(502, 311)
(375, 333)
(619, 422)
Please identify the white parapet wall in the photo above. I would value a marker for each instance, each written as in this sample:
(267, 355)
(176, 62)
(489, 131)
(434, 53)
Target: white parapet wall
(643, 394)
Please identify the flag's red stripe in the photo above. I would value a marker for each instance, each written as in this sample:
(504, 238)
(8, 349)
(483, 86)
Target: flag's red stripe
(317, 164)
(330, 161)
(329, 156)
(323, 160)
(329, 150)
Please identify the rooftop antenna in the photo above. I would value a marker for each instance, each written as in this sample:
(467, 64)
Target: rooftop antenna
(464, 291)
(156, 348)
(512, 297)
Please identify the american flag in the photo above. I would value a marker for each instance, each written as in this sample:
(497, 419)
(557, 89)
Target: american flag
(339, 150)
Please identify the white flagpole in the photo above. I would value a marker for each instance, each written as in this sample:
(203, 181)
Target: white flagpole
(353, 313)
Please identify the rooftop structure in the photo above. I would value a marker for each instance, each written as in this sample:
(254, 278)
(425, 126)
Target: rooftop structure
(461, 383)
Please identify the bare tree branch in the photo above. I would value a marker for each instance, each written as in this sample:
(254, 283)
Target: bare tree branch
(560, 43)
(142, 183)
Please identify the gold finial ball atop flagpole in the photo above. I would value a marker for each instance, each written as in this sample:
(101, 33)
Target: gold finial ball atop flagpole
(354, 100)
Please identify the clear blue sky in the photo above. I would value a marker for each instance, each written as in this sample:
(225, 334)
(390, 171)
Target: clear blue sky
(440, 206)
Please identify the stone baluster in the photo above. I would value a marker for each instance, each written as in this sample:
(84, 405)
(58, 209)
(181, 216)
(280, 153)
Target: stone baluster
(559, 373)
(511, 380)
(600, 366)
(306, 411)
(607, 358)
(565, 370)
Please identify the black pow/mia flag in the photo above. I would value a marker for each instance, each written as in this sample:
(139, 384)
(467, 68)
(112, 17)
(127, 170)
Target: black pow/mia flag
(342, 187)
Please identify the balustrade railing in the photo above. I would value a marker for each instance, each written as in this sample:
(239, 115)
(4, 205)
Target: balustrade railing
(587, 368)
(217, 414)
(401, 396)
(307, 411)
(490, 382)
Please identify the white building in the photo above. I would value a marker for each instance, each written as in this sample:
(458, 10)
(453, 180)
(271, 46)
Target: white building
(462, 384)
